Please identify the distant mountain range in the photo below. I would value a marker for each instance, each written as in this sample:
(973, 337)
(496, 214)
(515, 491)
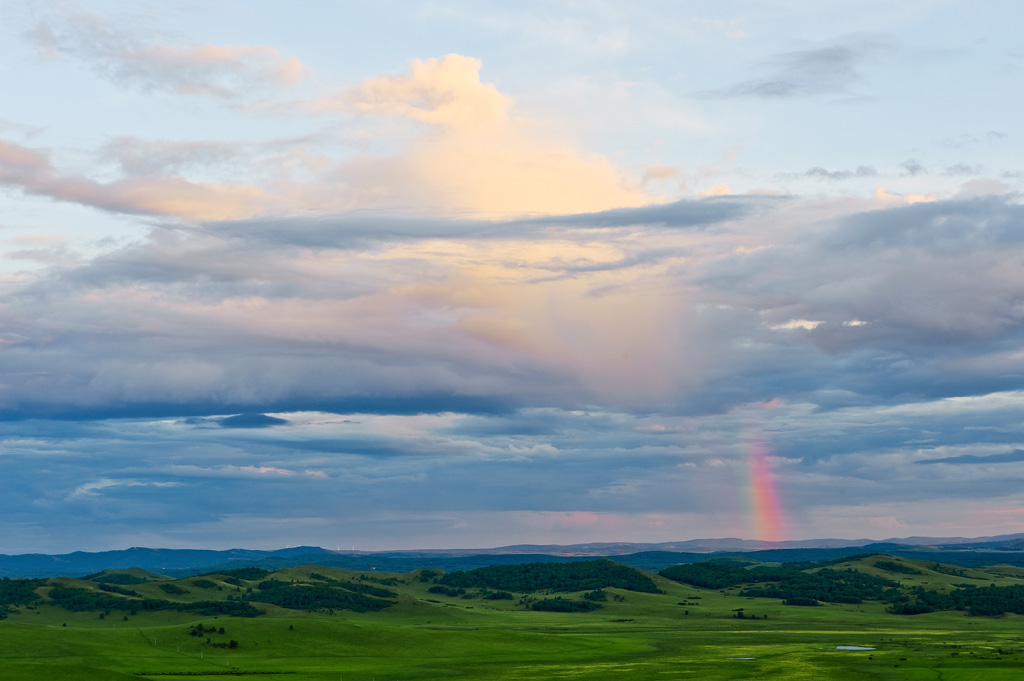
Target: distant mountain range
(1007, 548)
(727, 544)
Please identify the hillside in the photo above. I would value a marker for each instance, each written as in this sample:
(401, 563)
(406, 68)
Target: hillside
(904, 586)
(596, 619)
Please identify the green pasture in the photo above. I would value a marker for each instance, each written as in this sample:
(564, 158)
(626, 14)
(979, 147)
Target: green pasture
(684, 633)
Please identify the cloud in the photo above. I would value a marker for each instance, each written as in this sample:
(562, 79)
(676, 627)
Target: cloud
(698, 304)
(358, 230)
(656, 172)
(883, 195)
(820, 173)
(719, 189)
(466, 155)
(806, 324)
(1016, 456)
(964, 169)
(475, 157)
(153, 158)
(445, 92)
(912, 167)
(97, 488)
(807, 73)
(31, 171)
(410, 301)
(251, 421)
(126, 58)
(947, 262)
(678, 214)
(569, 468)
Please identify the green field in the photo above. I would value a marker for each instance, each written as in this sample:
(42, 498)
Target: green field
(685, 632)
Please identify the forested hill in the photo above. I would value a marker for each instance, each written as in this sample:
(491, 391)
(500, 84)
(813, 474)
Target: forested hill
(565, 577)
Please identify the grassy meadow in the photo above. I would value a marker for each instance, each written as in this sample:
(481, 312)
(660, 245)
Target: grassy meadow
(685, 632)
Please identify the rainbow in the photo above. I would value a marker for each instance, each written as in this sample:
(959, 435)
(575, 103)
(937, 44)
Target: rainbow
(767, 519)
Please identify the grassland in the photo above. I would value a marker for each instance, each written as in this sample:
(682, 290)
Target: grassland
(684, 632)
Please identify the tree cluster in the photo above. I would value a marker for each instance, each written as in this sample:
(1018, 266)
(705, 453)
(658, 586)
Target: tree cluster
(114, 589)
(203, 584)
(988, 601)
(84, 600)
(314, 597)
(121, 578)
(249, 574)
(785, 582)
(558, 604)
(891, 566)
(565, 577)
(173, 589)
(18, 592)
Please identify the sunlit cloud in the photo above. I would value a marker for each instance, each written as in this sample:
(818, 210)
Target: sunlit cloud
(477, 157)
(445, 92)
(807, 324)
(472, 157)
(883, 195)
(31, 171)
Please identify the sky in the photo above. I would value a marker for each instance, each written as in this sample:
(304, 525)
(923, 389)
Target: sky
(442, 274)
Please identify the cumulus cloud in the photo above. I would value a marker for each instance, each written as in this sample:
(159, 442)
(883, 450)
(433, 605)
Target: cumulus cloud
(470, 156)
(475, 156)
(445, 92)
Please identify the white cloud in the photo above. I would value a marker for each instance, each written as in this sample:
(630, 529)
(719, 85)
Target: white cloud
(222, 71)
